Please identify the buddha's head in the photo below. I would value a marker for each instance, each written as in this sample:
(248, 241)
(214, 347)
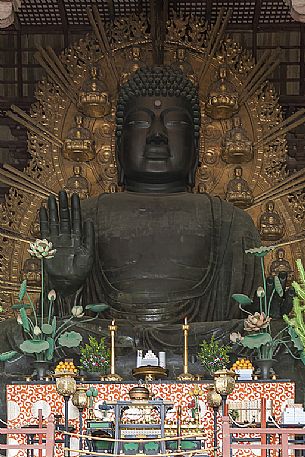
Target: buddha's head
(270, 206)
(157, 133)
(280, 254)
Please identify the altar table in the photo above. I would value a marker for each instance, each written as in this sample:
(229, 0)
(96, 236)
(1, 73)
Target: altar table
(25, 399)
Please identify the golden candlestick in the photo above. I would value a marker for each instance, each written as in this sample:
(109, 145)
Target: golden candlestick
(113, 376)
(185, 376)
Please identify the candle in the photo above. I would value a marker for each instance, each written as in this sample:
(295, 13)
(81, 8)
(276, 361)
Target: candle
(185, 321)
(113, 322)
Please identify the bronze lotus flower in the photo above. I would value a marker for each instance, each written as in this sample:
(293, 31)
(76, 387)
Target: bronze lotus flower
(256, 322)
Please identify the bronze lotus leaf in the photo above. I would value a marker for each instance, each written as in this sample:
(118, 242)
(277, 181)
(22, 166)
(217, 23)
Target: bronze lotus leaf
(256, 322)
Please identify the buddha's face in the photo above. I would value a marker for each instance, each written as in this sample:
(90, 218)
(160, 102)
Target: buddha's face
(157, 143)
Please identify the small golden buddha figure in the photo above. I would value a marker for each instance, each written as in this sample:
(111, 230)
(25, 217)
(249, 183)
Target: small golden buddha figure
(271, 227)
(201, 188)
(236, 146)
(79, 145)
(280, 264)
(222, 99)
(133, 64)
(77, 184)
(31, 272)
(94, 96)
(184, 65)
(238, 190)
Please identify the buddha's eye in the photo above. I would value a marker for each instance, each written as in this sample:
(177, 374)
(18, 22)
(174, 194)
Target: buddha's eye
(177, 123)
(138, 124)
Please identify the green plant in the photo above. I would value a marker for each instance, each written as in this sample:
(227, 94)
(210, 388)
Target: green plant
(296, 324)
(213, 355)
(95, 355)
(45, 335)
(259, 337)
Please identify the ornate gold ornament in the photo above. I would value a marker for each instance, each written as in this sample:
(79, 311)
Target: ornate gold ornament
(94, 97)
(77, 184)
(236, 147)
(189, 42)
(222, 99)
(79, 144)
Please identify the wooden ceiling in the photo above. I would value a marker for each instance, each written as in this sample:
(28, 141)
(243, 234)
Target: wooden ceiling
(71, 13)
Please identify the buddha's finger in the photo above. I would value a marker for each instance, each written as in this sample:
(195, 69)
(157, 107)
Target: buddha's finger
(89, 236)
(64, 213)
(76, 215)
(53, 216)
(44, 223)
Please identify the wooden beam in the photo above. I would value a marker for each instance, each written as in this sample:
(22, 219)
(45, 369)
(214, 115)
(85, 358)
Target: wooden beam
(208, 10)
(111, 9)
(65, 23)
(158, 17)
(19, 65)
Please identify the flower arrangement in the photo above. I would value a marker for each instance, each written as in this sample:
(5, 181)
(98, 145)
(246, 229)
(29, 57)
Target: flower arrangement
(257, 325)
(213, 355)
(95, 356)
(44, 335)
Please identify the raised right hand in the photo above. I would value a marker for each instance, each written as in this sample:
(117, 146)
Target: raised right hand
(73, 241)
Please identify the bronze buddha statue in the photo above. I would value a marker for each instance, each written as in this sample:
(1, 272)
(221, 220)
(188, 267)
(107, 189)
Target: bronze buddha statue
(271, 227)
(238, 190)
(281, 264)
(155, 252)
(77, 184)
(236, 146)
(31, 272)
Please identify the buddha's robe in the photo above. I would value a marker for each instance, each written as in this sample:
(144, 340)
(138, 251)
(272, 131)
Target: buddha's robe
(160, 257)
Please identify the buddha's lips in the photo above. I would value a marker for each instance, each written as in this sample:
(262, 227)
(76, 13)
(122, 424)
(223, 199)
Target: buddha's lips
(156, 152)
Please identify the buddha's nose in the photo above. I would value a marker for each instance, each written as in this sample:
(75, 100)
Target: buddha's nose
(157, 133)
